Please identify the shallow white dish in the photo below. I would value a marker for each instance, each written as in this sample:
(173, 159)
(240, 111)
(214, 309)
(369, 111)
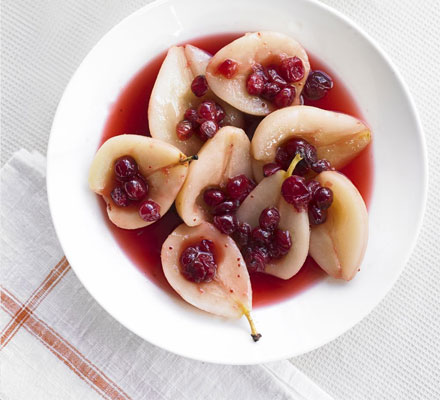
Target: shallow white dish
(301, 323)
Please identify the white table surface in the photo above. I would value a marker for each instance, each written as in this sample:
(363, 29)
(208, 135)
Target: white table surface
(392, 354)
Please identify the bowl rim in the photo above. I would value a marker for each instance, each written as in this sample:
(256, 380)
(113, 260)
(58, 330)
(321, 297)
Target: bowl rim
(424, 178)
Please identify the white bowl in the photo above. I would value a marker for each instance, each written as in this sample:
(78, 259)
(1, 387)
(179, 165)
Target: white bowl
(291, 327)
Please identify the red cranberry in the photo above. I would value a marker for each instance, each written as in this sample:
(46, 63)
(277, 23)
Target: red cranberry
(274, 77)
(283, 158)
(125, 168)
(213, 197)
(226, 223)
(285, 97)
(261, 236)
(198, 265)
(282, 241)
(256, 258)
(184, 130)
(255, 84)
(271, 89)
(207, 130)
(269, 219)
(292, 69)
(220, 113)
(136, 188)
(199, 86)
(304, 149)
(313, 186)
(207, 245)
(323, 198)
(119, 197)
(321, 166)
(317, 85)
(207, 110)
(225, 207)
(295, 191)
(192, 116)
(239, 187)
(261, 71)
(149, 211)
(242, 234)
(228, 68)
(317, 216)
(270, 169)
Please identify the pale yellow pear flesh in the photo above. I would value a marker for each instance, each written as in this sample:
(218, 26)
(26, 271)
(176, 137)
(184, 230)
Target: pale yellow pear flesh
(268, 194)
(224, 156)
(339, 244)
(229, 294)
(158, 162)
(253, 48)
(172, 96)
(338, 137)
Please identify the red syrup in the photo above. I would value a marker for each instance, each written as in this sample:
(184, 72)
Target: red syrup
(129, 115)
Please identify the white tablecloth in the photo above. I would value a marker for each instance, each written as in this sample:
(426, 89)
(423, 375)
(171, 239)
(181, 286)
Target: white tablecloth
(395, 351)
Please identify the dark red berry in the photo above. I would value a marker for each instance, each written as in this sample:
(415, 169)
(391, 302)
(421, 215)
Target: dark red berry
(207, 245)
(321, 166)
(119, 197)
(226, 207)
(313, 186)
(125, 168)
(285, 97)
(228, 68)
(192, 116)
(199, 85)
(207, 110)
(213, 197)
(220, 113)
(323, 198)
(255, 258)
(275, 77)
(269, 219)
(136, 188)
(317, 216)
(239, 187)
(207, 130)
(270, 90)
(283, 158)
(282, 241)
(270, 169)
(292, 69)
(149, 211)
(295, 191)
(184, 130)
(261, 236)
(317, 85)
(255, 84)
(197, 263)
(304, 149)
(226, 223)
(242, 234)
(261, 71)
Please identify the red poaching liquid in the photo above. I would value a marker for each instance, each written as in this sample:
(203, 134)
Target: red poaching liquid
(129, 115)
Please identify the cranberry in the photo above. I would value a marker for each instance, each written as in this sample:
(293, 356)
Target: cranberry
(270, 90)
(207, 245)
(292, 69)
(283, 158)
(304, 149)
(136, 188)
(149, 211)
(261, 71)
(228, 68)
(207, 130)
(226, 223)
(213, 197)
(199, 86)
(295, 191)
(261, 236)
(207, 110)
(220, 113)
(256, 258)
(282, 241)
(255, 84)
(184, 130)
(192, 116)
(275, 77)
(323, 198)
(198, 265)
(125, 168)
(269, 219)
(285, 97)
(225, 207)
(270, 169)
(313, 186)
(242, 234)
(317, 85)
(239, 187)
(317, 216)
(321, 166)
(119, 197)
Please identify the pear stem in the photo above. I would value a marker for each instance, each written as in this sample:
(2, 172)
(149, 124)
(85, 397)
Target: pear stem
(188, 159)
(292, 165)
(255, 335)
